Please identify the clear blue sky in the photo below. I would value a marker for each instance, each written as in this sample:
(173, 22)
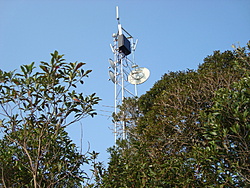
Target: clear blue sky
(173, 35)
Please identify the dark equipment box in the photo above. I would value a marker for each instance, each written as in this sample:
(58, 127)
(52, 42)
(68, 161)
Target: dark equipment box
(124, 44)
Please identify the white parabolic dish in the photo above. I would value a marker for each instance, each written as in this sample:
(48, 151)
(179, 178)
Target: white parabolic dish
(112, 76)
(138, 76)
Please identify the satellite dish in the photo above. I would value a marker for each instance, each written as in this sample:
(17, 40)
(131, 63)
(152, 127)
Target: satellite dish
(112, 63)
(112, 76)
(138, 76)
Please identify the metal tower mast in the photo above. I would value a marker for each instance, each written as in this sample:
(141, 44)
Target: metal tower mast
(125, 74)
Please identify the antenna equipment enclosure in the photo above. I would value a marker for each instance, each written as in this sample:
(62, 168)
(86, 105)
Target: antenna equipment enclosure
(124, 45)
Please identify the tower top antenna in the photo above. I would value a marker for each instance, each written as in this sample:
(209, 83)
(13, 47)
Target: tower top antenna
(117, 13)
(118, 19)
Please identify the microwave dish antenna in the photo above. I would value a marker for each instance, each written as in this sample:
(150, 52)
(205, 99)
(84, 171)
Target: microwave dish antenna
(138, 76)
(112, 63)
(112, 76)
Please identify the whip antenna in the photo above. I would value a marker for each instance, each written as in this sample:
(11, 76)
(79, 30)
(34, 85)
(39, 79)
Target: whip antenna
(117, 13)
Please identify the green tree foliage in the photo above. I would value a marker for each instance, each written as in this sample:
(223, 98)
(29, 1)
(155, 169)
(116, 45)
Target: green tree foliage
(192, 129)
(226, 128)
(36, 107)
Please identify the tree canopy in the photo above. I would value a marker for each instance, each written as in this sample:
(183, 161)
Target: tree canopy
(191, 129)
(35, 109)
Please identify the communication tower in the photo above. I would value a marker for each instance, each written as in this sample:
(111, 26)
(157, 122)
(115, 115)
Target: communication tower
(124, 73)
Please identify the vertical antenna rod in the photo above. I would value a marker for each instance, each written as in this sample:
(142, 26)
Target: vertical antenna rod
(117, 13)
(118, 19)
